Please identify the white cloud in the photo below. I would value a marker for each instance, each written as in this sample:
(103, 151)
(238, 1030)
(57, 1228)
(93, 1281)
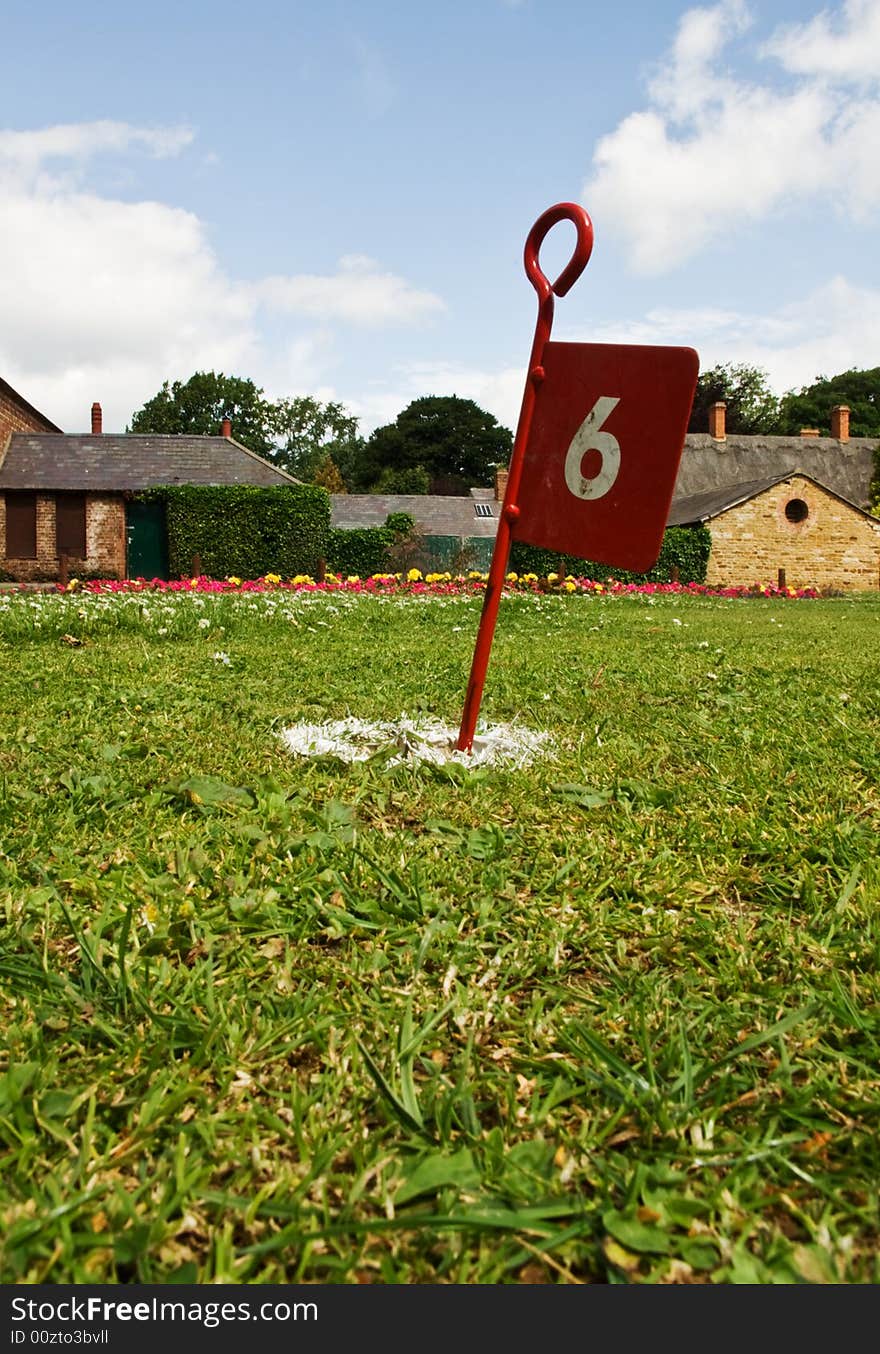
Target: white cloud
(712, 150)
(849, 50)
(358, 293)
(104, 299)
(81, 140)
(828, 331)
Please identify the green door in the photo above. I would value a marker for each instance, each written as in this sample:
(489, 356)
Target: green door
(146, 541)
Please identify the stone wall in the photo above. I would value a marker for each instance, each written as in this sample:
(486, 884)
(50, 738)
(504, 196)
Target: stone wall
(105, 542)
(832, 546)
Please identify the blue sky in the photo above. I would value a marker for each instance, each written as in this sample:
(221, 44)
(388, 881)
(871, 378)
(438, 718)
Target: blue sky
(333, 199)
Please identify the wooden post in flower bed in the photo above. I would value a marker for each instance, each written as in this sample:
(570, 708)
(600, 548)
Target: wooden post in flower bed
(196, 565)
(322, 569)
(780, 579)
(63, 569)
(673, 574)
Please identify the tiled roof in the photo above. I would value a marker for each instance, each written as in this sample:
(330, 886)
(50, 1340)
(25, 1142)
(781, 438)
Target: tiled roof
(131, 461)
(703, 507)
(435, 514)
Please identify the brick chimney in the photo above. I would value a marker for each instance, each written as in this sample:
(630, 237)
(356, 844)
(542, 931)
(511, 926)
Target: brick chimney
(97, 420)
(717, 414)
(809, 432)
(226, 427)
(500, 483)
(840, 422)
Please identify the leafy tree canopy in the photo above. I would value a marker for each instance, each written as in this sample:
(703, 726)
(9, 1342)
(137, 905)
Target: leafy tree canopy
(298, 435)
(811, 406)
(199, 405)
(452, 441)
(751, 405)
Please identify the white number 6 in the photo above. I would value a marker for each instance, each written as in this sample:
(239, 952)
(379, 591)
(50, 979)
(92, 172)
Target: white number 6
(589, 438)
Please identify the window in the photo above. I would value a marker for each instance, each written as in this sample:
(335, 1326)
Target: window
(21, 526)
(70, 525)
(796, 510)
(483, 509)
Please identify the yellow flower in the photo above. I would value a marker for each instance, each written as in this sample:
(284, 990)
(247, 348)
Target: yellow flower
(414, 576)
(272, 578)
(570, 585)
(552, 578)
(513, 578)
(353, 578)
(236, 582)
(73, 585)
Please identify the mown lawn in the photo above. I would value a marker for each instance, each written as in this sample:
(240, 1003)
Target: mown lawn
(609, 1018)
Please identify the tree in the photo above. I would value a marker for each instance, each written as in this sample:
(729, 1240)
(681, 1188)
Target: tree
(328, 476)
(811, 406)
(453, 440)
(298, 435)
(751, 405)
(199, 406)
(305, 432)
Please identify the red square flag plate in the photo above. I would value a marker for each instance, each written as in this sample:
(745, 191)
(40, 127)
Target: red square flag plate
(603, 452)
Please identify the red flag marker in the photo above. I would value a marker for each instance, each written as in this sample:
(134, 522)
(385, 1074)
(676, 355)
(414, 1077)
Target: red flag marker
(596, 451)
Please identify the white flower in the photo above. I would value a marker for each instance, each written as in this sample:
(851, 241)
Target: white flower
(204, 623)
(221, 657)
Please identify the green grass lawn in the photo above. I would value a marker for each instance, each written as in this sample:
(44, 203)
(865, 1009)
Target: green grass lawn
(609, 1018)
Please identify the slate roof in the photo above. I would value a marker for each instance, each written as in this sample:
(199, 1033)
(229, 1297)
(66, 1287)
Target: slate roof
(111, 463)
(435, 514)
(703, 507)
(707, 463)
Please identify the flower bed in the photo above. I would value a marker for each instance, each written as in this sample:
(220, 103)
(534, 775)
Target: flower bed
(415, 583)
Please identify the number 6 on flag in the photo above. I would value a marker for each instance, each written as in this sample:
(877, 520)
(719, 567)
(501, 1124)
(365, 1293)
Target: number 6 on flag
(596, 451)
(589, 438)
(603, 451)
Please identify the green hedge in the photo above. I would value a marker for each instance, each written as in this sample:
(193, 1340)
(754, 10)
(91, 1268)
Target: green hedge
(684, 548)
(245, 530)
(359, 550)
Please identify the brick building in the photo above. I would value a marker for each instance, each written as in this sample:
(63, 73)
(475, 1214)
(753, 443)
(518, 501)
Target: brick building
(66, 502)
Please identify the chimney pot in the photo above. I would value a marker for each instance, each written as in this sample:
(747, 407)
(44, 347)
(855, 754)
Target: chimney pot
(500, 483)
(226, 429)
(97, 420)
(840, 422)
(717, 413)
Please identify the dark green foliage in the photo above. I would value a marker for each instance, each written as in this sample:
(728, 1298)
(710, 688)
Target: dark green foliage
(401, 523)
(752, 407)
(409, 480)
(305, 433)
(684, 548)
(454, 442)
(244, 530)
(874, 490)
(361, 551)
(811, 406)
(297, 435)
(199, 405)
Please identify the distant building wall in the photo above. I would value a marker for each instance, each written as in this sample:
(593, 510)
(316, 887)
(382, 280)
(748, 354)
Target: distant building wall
(796, 526)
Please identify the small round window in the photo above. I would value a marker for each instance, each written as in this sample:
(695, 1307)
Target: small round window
(796, 510)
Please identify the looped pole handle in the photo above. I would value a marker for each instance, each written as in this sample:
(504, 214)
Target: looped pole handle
(563, 211)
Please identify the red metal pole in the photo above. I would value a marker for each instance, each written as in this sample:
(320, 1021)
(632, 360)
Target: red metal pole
(563, 211)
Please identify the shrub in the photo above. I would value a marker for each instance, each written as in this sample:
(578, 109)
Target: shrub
(244, 529)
